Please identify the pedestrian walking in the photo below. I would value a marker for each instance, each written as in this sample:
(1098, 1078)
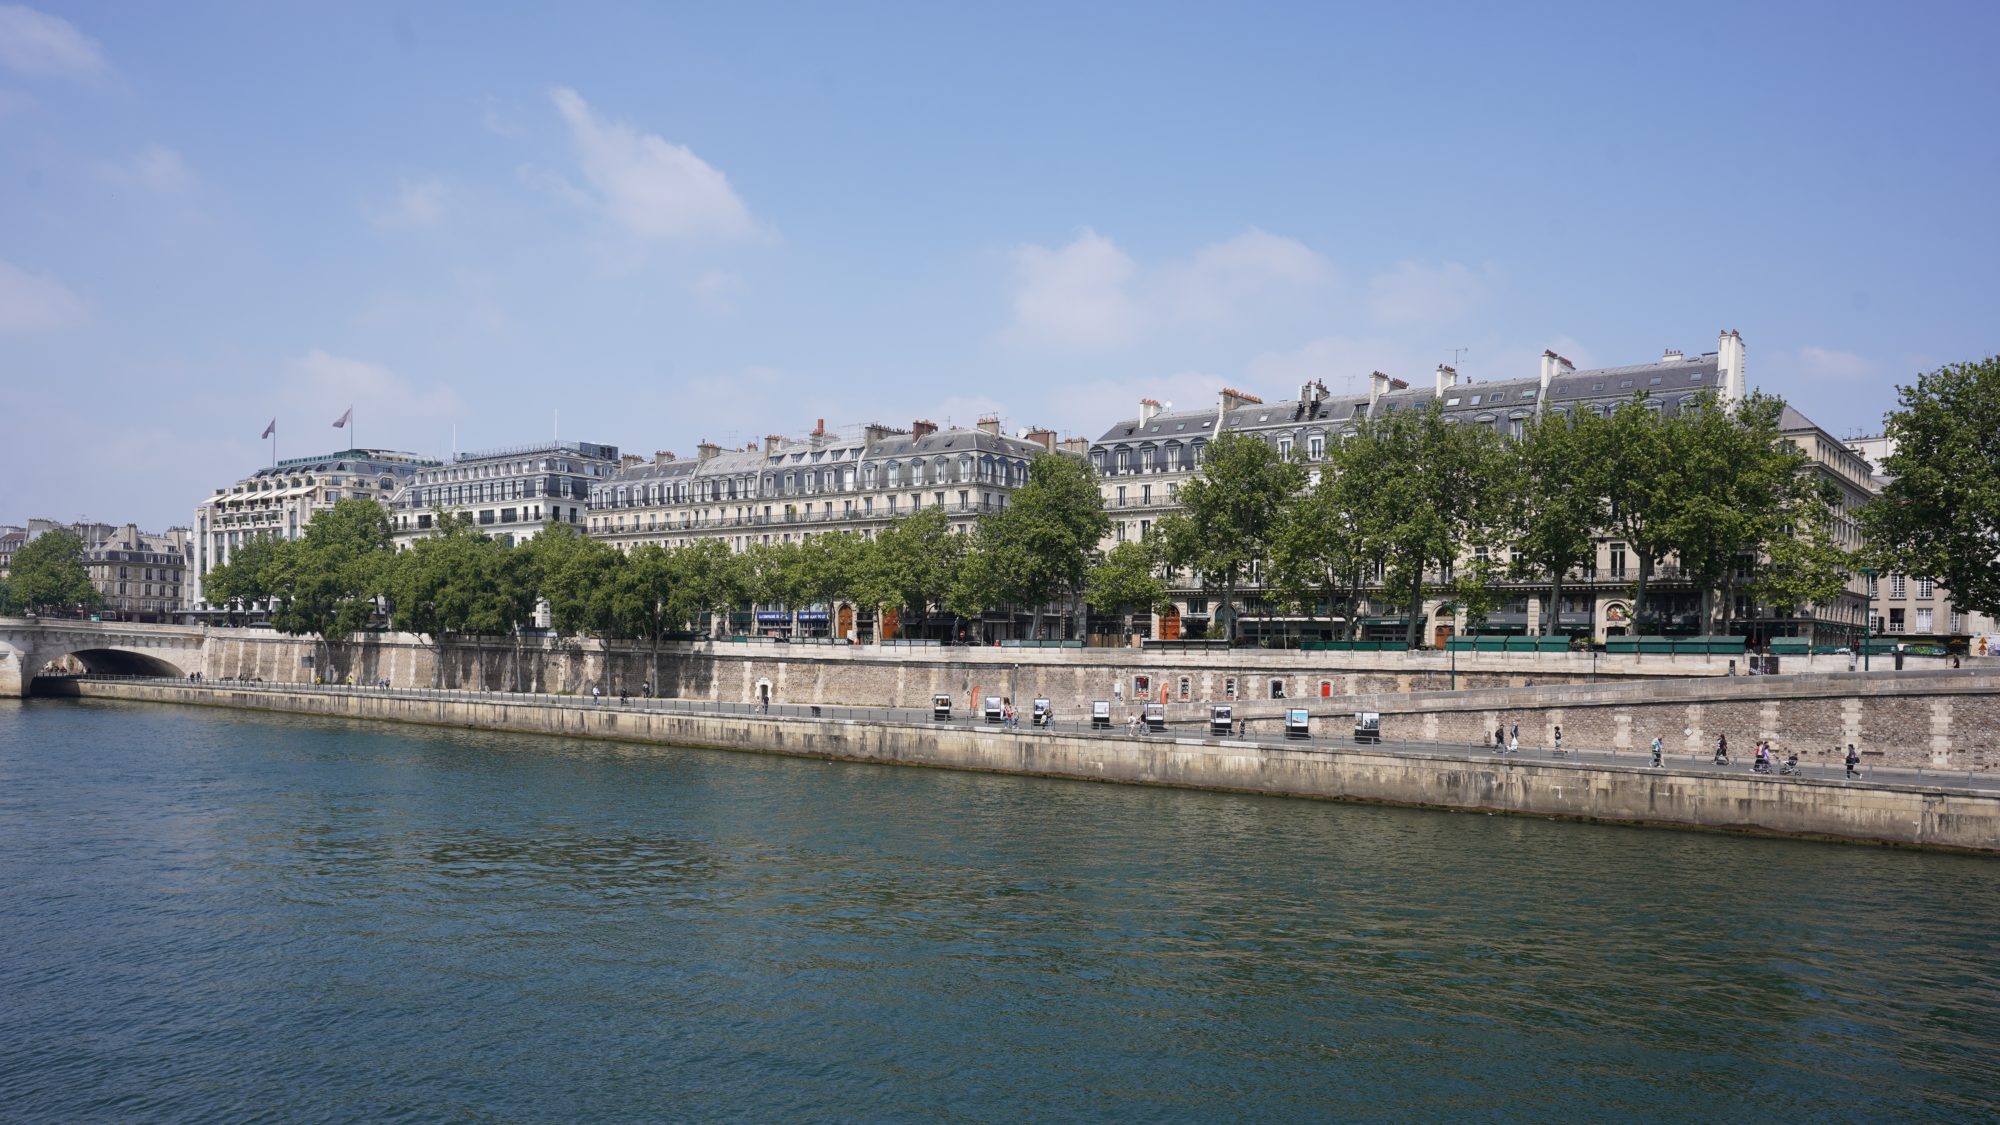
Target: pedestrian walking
(1853, 761)
(1514, 740)
(1658, 748)
(1559, 740)
(596, 696)
(1499, 740)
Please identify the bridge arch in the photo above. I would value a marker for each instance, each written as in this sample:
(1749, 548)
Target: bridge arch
(120, 662)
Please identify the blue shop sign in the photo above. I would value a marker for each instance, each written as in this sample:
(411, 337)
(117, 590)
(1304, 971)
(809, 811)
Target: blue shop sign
(812, 615)
(765, 615)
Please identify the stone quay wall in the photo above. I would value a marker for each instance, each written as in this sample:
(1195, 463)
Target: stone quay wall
(1885, 813)
(891, 676)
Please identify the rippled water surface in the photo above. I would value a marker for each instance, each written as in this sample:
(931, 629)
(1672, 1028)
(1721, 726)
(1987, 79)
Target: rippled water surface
(207, 916)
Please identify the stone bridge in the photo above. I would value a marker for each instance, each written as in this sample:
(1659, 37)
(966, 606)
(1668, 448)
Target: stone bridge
(29, 644)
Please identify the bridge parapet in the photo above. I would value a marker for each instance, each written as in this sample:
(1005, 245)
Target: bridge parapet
(27, 644)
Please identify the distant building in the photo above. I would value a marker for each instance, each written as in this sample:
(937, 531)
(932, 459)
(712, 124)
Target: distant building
(278, 502)
(1143, 461)
(141, 574)
(789, 489)
(510, 494)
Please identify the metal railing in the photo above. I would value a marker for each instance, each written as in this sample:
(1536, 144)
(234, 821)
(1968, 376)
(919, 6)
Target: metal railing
(1267, 734)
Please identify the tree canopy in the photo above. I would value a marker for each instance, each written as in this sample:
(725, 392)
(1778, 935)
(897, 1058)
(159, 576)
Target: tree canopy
(1939, 515)
(48, 576)
(1230, 512)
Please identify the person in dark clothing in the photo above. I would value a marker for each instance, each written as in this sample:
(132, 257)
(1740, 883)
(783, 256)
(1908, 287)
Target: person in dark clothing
(1853, 761)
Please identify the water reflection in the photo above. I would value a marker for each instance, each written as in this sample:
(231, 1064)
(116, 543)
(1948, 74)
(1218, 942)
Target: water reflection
(242, 915)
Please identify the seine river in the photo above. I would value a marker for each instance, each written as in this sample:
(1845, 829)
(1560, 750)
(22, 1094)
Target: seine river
(217, 917)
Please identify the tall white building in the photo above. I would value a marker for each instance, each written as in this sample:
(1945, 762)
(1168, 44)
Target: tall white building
(511, 494)
(278, 502)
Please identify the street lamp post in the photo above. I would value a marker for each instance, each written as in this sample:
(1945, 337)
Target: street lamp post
(1867, 615)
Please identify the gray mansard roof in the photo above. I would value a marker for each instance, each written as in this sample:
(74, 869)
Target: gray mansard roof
(830, 451)
(1669, 382)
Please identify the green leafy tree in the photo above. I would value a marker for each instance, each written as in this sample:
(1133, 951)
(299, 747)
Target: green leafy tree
(643, 598)
(1560, 500)
(48, 576)
(1321, 551)
(914, 568)
(1038, 550)
(708, 579)
(248, 578)
(503, 598)
(577, 576)
(1231, 512)
(1939, 515)
(1642, 466)
(6, 596)
(435, 587)
(1127, 579)
(1428, 498)
(324, 585)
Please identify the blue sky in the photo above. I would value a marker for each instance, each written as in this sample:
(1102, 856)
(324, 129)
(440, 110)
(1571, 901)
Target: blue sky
(674, 224)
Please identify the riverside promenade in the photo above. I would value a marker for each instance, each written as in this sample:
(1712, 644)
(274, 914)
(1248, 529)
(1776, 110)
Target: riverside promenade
(1953, 810)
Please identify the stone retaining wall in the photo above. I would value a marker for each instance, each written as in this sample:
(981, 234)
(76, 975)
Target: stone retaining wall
(1898, 814)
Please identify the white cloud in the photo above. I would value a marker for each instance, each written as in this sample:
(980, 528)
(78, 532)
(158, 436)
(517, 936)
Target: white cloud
(1090, 408)
(716, 291)
(30, 303)
(1832, 365)
(37, 43)
(155, 168)
(330, 383)
(1091, 294)
(649, 185)
(1076, 296)
(1223, 277)
(418, 203)
(1413, 293)
(1344, 362)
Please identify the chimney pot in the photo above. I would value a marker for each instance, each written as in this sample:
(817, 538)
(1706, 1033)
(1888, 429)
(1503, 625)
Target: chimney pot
(922, 428)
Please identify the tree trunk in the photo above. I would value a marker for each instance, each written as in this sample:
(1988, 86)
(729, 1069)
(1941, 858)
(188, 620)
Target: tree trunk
(653, 684)
(1553, 622)
(1035, 627)
(1639, 594)
(1415, 623)
(1229, 607)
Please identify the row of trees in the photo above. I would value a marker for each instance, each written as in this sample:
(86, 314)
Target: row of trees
(1035, 553)
(1413, 503)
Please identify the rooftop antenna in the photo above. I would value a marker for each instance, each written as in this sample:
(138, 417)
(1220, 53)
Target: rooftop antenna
(1455, 353)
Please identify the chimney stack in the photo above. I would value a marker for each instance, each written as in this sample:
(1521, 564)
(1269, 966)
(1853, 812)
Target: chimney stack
(1729, 368)
(1149, 409)
(922, 428)
(1044, 438)
(662, 456)
(631, 461)
(1076, 445)
(1447, 377)
(771, 443)
(991, 424)
(1378, 385)
(1230, 399)
(706, 451)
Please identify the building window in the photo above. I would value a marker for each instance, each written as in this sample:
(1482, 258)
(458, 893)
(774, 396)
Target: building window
(1277, 689)
(1618, 560)
(1874, 587)
(1185, 689)
(1316, 446)
(1925, 587)
(1924, 619)
(1896, 588)
(1896, 620)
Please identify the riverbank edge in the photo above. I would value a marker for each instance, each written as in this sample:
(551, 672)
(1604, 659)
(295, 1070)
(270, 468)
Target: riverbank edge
(1799, 808)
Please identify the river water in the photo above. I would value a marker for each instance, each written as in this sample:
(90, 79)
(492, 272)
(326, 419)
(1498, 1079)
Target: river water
(212, 916)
